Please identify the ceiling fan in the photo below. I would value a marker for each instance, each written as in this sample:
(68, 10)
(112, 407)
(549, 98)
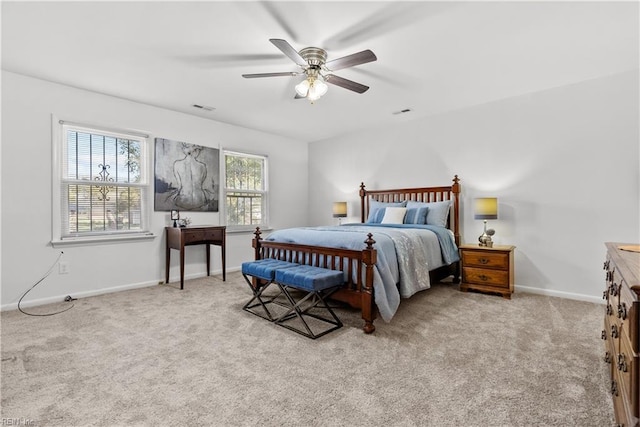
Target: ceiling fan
(314, 64)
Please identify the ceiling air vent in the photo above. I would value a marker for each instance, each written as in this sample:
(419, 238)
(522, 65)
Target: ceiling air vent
(203, 107)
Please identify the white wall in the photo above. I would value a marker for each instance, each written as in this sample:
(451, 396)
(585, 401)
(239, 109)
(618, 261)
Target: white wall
(27, 107)
(564, 164)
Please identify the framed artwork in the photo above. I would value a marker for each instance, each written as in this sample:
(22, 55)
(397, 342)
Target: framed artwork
(186, 176)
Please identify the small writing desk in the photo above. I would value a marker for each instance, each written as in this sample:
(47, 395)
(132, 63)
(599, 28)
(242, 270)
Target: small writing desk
(179, 237)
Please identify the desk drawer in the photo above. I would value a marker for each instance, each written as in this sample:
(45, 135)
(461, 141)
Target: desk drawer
(213, 234)
(485, 259)
(191, 236)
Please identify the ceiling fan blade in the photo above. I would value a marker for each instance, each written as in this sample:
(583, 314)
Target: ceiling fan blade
(351, 60)
(279, 17)
(345, 83)
(288, 50)
(285, 74)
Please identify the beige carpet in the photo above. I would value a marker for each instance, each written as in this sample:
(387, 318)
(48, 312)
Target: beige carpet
(161, 356)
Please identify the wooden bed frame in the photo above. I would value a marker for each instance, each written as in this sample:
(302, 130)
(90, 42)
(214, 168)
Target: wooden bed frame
(359, 264)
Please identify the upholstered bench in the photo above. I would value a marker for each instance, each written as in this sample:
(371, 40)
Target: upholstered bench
(259, 275)
(318, 283)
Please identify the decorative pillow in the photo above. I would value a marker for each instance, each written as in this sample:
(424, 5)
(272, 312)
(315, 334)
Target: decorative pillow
(377, 216)
(375, 206)
(393, 215)
(437, 212)
(417, 215)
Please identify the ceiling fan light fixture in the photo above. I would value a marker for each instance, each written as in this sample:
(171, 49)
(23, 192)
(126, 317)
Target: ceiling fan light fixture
(302, 88)
(316, 90)
(313, 60)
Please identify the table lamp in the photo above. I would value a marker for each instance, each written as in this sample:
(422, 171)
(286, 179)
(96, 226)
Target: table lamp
(486, 208)
(339, 210)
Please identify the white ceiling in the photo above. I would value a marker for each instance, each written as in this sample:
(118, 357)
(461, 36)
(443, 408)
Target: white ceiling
(432, 56)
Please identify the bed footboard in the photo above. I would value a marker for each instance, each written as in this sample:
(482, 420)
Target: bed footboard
(356, 265)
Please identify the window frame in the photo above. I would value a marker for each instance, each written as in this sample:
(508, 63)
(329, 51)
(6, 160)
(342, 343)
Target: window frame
(61, 237)
(264, 225)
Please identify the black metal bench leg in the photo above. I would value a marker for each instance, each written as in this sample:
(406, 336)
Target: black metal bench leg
(257, 296)
(297, 309)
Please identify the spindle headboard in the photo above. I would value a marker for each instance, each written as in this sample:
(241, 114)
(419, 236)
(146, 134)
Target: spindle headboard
(418, 194)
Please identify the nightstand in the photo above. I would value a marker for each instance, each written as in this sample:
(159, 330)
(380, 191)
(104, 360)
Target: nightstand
(487, 269)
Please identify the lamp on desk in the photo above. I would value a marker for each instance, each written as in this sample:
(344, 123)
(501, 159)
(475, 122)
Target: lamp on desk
(339, 210)
(486, 208)
(175, 216)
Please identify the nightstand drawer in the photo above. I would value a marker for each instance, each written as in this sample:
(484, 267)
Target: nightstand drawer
(486, 259)
(480, 276)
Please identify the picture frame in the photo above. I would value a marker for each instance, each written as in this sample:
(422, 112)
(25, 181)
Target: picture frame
(187, 176)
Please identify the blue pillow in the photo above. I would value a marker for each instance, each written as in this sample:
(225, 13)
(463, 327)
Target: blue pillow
(417, 215)
(437, 212)
(376, 210)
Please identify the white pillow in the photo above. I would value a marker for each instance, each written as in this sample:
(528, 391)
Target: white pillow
(393, 215)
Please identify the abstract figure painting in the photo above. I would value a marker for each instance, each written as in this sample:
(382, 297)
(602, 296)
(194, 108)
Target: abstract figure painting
(186, 176)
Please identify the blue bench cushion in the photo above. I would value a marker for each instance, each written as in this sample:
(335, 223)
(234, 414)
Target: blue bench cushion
(265, 268)
(309, 278)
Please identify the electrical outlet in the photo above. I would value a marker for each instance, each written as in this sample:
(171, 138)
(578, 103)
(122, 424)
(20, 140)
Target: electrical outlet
(63, 267)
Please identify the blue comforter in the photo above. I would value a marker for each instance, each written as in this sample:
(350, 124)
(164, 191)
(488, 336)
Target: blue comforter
(406, 254)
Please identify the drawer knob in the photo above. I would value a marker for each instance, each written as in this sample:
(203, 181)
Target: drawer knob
(614, 387)
(603, 335)
(605, 294)
(622, 363)
(607, 357)
(483, 277)
(483, 261)
(609, 310)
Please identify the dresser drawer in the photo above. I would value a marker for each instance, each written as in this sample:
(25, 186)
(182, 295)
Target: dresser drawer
(626, 365)
(625, 311)
(486, 259)
(483, 276)
(619, 408)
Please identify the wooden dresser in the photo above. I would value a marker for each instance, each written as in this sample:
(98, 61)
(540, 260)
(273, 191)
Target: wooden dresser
(487, 269)
(621, 332)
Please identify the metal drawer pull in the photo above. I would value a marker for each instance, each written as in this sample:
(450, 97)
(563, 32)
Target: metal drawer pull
(609, 310)
(603, 335)
(614, 331)
(622, 363)
(622, 311)
(607, 357)
(614, 387)
(483, 261)
(483, 277)
(604, 294)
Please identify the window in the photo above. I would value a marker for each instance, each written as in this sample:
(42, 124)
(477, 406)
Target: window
(246, 190)
(103, 183)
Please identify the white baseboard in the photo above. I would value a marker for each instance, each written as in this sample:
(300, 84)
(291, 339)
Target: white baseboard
(60, 298)
(560, 294)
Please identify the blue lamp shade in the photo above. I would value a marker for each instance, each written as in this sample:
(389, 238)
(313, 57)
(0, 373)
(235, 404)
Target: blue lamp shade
(486, 208)
(339, 209)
